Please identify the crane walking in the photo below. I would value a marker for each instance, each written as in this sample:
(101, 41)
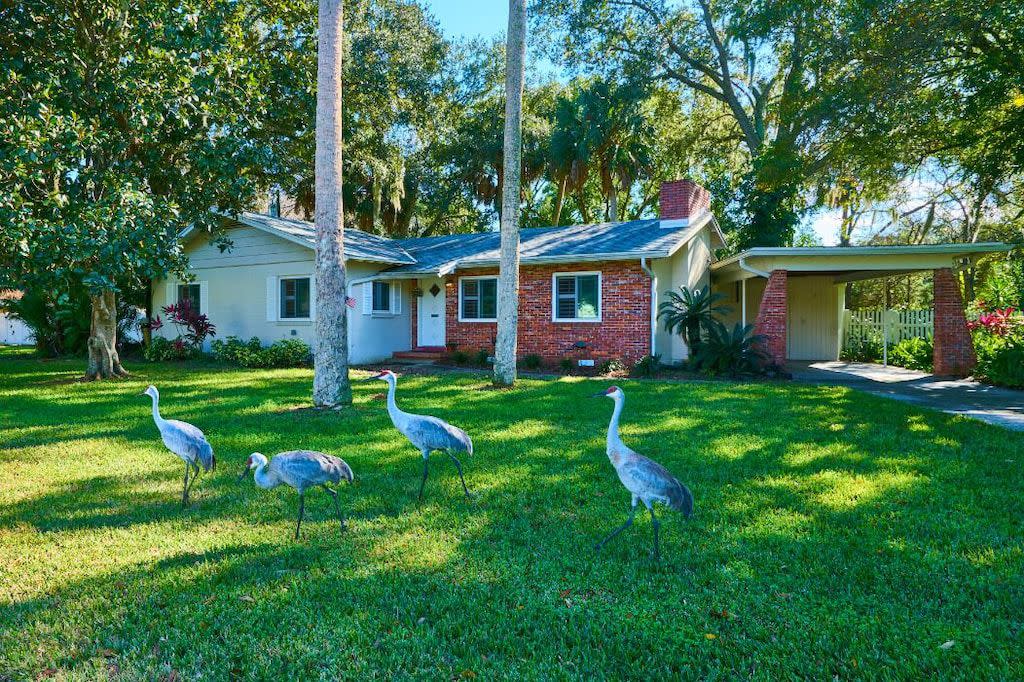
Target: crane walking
(426, 433)
(645, 479)
(301, 469)
(184, 440)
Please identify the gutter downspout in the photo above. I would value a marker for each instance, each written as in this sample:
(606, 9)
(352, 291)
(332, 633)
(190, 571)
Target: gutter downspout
(654, 301)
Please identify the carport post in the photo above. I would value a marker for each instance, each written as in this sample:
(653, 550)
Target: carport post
(885, 325)
(743, 301)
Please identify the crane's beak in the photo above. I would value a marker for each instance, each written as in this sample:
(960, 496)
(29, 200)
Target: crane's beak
(244, 472)
(602, 394)
(371, 378)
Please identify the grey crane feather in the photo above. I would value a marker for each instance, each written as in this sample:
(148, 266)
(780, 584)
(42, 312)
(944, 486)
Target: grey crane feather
(186, 441)
(646, 480)
(302, 470)
(428, 434)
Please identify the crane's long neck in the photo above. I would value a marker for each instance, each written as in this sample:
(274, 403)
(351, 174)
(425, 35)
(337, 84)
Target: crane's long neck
(156, 412)
(397, 416)
(613, 425)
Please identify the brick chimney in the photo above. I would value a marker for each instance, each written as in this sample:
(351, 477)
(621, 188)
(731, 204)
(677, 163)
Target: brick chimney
(683, 199)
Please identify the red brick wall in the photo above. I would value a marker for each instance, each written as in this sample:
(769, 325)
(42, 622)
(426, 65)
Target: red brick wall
(771, 317)
(623, 333)
(682, 199)
(954, 351)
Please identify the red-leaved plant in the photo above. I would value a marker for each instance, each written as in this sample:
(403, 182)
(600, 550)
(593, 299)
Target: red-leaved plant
(191, 325)
(998, 322)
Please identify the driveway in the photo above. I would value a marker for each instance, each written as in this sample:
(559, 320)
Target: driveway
(1001, 406)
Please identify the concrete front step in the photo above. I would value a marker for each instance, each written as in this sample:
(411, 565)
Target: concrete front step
(419, 354)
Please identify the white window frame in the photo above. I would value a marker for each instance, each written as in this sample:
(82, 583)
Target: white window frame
(479, 319)
(554, 296)
(204, 293)
(312, 293)
(390, 298)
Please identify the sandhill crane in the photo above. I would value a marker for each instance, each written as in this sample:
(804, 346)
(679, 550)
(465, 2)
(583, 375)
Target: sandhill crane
(426, 433)
(645, 479)
(301, 469)
(184, 440)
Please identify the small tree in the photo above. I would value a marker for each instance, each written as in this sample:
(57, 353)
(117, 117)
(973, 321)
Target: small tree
(691, 312)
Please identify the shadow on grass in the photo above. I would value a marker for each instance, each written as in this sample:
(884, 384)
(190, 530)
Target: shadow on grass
(838, 532)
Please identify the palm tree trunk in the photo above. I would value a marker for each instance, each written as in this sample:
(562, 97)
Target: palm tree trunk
(508, 274)
(560, 199)
(330, 357)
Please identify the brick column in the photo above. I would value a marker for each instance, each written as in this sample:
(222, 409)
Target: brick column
(771, 318)
(954, 349)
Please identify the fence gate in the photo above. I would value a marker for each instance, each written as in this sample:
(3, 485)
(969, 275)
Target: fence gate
(887, 327)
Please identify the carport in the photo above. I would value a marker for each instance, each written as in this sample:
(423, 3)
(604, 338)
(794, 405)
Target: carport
(796, 296)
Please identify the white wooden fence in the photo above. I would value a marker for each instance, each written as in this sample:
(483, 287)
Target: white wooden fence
(894, 325)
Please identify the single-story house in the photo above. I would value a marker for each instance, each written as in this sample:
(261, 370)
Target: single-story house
(587, 292)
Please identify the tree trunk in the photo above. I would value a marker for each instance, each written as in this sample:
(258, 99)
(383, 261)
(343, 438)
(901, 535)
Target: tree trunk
(330, 358)
(613, 206)
(559, 200)
(103, 360)
(508, 274)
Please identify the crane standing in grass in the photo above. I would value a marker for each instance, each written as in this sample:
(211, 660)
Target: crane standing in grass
(184, 440)
(426, 433)
(647, 480)
(301, 469)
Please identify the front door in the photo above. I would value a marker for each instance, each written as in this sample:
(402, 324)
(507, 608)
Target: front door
(430, 321)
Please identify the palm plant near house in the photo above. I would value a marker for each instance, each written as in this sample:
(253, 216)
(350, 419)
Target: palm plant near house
(691, 311)
(733, 351)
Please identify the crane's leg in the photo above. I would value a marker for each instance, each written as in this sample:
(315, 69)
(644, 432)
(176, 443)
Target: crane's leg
(195, 474)
(302, 510)
(426, 462)
(337, 507)
(184, 488)
(656, 524)
(458, 466)
(627, 524)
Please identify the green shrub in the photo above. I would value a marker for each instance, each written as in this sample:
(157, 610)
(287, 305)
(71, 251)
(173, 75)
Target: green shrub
(611, 366)
(866, 349)
(532, 361)
(252, 353)
(482, 357)
(733, 351)
(913, 354)
(566, 365)
(1000, 358)
(161, 349)
(288, 353)
(459, 357)
(647, 366)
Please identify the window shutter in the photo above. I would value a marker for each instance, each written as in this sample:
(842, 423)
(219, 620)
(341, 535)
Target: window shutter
(172, 293)
(367, 298)
(312, 297)
(204, 298)
(272, 299)
(396, 297)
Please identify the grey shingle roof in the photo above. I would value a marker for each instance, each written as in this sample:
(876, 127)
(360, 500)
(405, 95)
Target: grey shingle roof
(637, 238)
(431, 255)
(359, 245)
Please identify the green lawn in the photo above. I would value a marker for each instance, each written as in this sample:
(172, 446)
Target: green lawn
(835, 534)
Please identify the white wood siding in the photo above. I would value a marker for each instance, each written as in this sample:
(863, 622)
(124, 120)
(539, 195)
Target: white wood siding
(242, 289)
(813, 325)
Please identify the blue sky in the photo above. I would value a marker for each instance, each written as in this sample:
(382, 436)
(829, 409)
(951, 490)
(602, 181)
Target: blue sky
(468, 18)
(487, 18)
